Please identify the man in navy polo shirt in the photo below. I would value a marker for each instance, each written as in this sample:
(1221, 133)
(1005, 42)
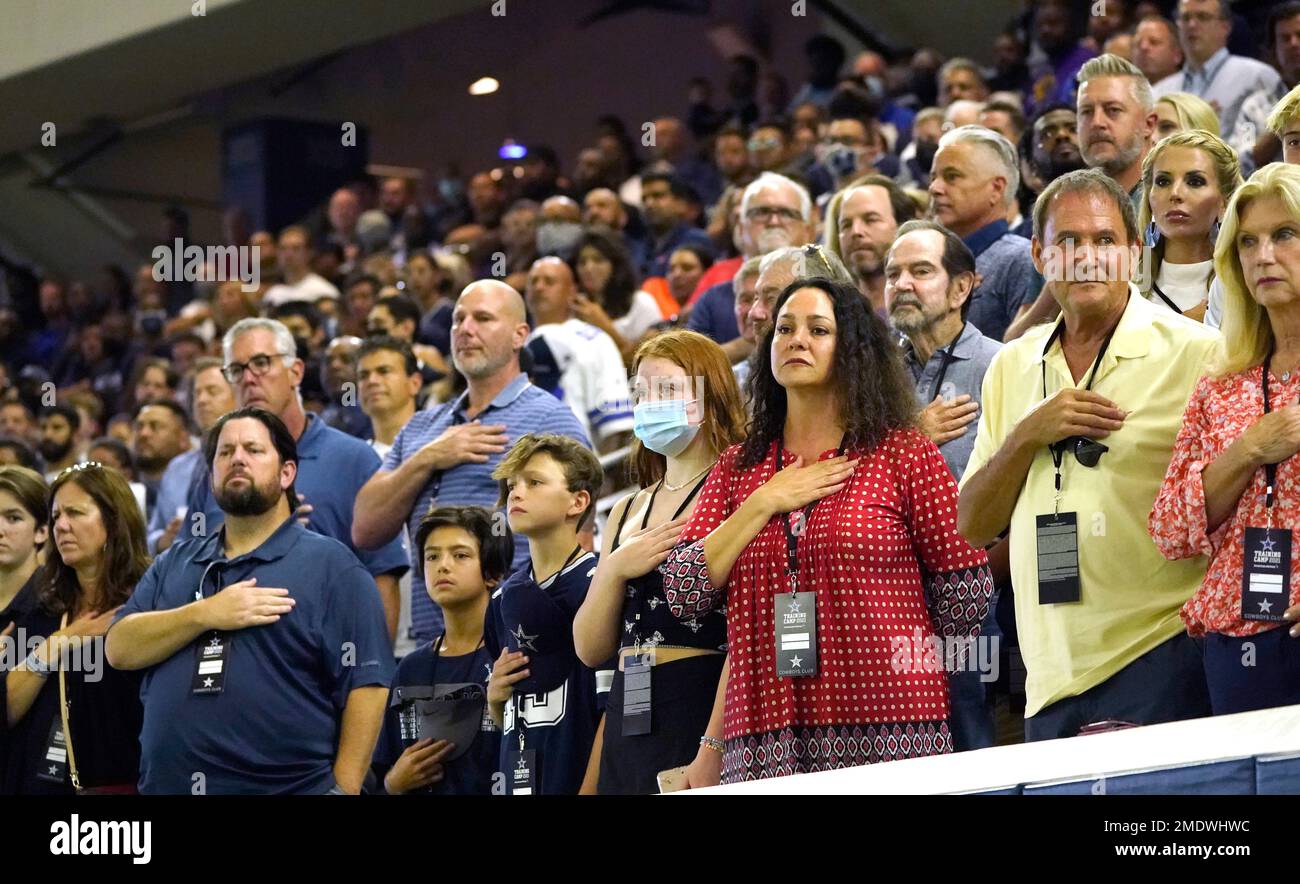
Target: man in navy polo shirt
(446, 456)
(268, 660)
(332, 466)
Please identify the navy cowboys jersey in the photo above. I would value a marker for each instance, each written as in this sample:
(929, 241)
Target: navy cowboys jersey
(559, 725)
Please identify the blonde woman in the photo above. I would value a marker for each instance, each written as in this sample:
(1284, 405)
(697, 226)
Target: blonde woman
(1187, 180)
(1181, 111)
(1232, 491)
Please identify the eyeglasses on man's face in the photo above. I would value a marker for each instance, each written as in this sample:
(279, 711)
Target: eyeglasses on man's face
(257, 366)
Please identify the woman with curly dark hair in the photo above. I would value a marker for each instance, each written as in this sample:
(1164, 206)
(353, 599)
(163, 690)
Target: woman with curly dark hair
(830, 535)
(609, 297)
(74, 720)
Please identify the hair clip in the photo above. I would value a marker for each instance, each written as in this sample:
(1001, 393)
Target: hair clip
(84, 465)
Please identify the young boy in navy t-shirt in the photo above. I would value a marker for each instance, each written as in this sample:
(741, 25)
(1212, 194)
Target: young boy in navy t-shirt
(438, 735)
(548, 703)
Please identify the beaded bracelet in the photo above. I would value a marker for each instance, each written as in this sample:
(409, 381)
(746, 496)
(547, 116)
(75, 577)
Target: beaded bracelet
(712, 742)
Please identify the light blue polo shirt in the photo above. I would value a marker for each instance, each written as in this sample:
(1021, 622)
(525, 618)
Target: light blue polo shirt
(523, 408)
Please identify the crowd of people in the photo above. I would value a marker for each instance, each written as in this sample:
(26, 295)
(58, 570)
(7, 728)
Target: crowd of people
(711, 465)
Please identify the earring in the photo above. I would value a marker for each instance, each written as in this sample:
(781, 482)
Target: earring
(1153, 235)
(1214, 231)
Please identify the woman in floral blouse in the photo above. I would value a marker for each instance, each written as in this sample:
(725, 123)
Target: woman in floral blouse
(837, 496)
(1239, 437)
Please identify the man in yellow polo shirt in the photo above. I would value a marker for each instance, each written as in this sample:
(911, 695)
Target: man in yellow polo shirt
(1090, 405)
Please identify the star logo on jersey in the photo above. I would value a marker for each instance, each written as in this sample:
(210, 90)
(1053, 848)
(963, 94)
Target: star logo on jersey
(794, 605)
(207, 682)
(524, 639)
(1268, 544)
(796, 662)
(54, 771)
(1266, 607)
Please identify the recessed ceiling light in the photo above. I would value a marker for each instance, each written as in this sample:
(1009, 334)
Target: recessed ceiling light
(484, 86)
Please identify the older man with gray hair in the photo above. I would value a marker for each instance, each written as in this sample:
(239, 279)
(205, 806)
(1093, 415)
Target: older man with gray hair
(745, 283)
(262, 365)
(780, 268)
(1077, 429)
(973, 184)
(775, 212)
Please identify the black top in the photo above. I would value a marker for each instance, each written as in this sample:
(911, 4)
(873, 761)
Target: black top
(645, 608)
(471, 773)
(104, 715)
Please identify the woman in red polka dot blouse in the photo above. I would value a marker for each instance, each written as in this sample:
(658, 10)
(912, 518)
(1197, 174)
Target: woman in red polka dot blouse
(870, 531)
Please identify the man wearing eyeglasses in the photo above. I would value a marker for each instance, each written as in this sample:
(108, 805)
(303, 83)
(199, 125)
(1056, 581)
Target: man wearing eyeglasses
(332, 466)
(1077, 429)
(775, 212)
(1241, 89)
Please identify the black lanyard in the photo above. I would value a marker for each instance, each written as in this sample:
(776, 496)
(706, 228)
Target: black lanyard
(791, 540)
(641, 593)
(1155, 287)
(1270, 469)
(520, 727)
(645, 520)
(573, 555)
(437, 655)
(948, 357)
(1168, 301)
(1058, 454)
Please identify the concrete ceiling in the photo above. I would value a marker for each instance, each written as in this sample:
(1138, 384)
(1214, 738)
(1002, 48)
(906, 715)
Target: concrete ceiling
(148, 56)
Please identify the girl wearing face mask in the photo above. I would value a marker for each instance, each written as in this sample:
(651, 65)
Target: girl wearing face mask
(1187, 180)
(687, 410)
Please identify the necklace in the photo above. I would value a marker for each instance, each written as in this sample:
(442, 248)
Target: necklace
(664, 480)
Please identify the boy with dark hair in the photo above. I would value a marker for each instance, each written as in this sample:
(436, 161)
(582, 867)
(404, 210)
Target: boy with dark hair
(548, 702)
(438, 735)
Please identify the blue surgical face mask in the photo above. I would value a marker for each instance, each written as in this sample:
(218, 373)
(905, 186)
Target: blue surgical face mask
(663, 426)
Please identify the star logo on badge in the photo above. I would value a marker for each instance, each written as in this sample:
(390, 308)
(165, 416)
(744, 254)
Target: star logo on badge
(796, 662)
(1267, 544)
(522, 765)
(794, 606)
(207, 682)
(524, 639)
(1266, 607)
(215, 643)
